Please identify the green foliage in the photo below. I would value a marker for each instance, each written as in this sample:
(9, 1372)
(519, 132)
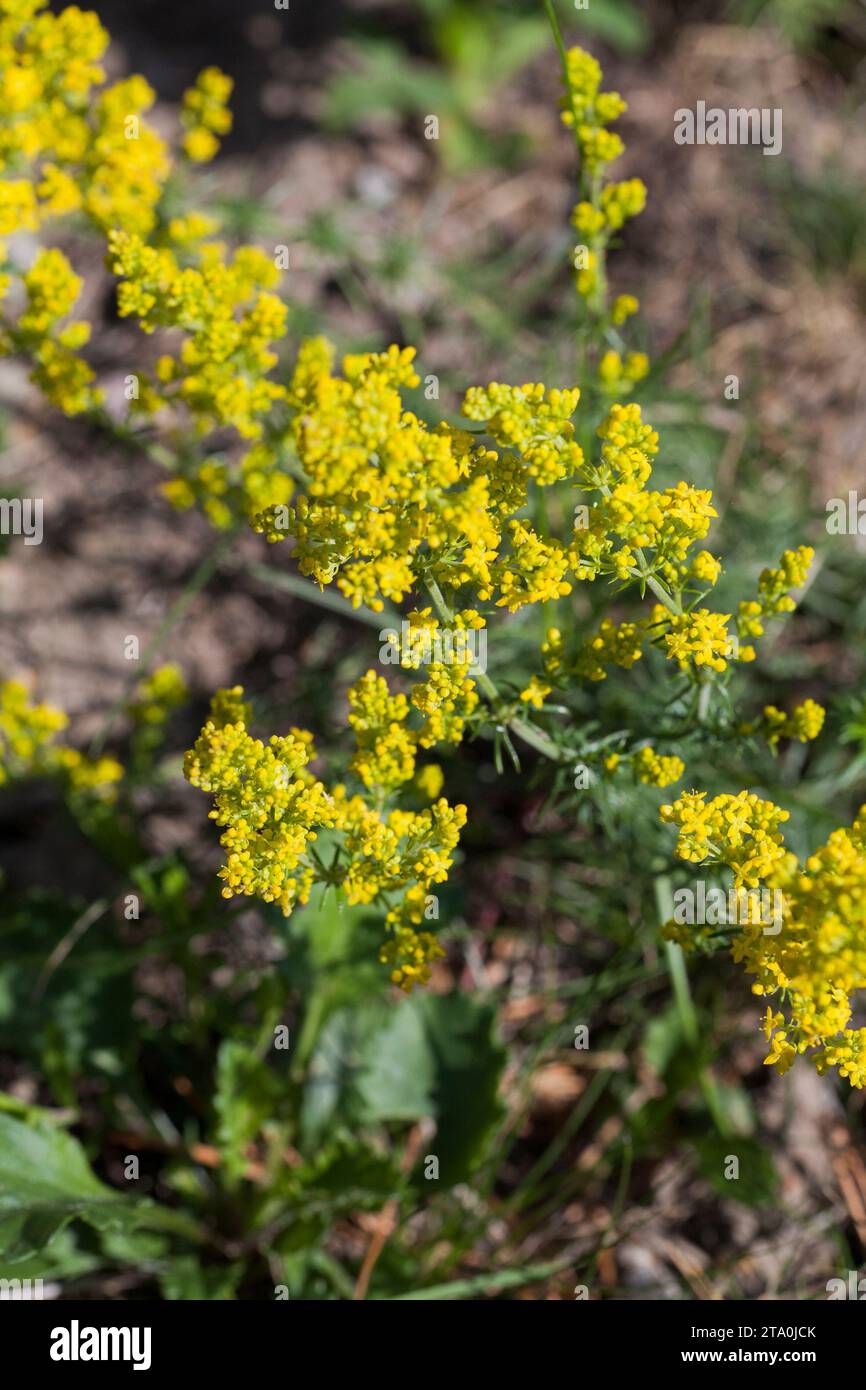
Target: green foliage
(255, 1160)
(757, 1181)
(46, 1182)
(298, 1136)
(460, 85)
(246, 1097)
(428, 1057)
(825, 215)
(800, 20)
(71, 1016)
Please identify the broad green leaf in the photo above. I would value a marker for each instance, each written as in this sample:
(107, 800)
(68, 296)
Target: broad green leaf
(331, 961)
(428, 1055)
(396, 1078)
(45, 1182)
(468, 1061)
(64, 1258)
(371, 1063)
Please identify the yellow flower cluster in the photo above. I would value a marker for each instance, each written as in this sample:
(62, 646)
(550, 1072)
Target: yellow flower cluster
(387, 499)
(602, 210)
(533, 421)
(380, 503)
(270, 807)
(158, 695)
(613, 645)
(385, 756)
(699, 637)
(383, 487)
(804, 723)
(623, 307)
(405, 853)
(229, 320)
(657, 769)
(52, 288)
(272, 810)
(705, 568)
(429, 781)
(622, 201)
(535, 693)
(205, 114)
(69, 144)
(629, 519)
(28, 746)
(818, 959)
(740, 831)
(534, 570)
(64, 147)
(587, 111)
(374, 472)
(446, 699)
(651, 768)
(774, 585)
(618, 374)
(635, 534)
(26, 732)
(814, 955)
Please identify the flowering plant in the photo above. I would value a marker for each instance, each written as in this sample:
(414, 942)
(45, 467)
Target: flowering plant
(520, 505)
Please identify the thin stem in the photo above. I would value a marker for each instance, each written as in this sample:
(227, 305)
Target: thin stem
(662, 594)
(537, 739)
(523, 728)
(68, 942)
(563, 58)
(704, 701)
(590, 186)
(323, 598)
(679, 978)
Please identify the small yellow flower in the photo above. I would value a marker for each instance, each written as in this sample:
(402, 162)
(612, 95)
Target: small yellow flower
(623, 307)
(429, 780)
(705, 568)
(655, 769)
(535, 693)
(699, 637)
(158, 695)
(804, 723)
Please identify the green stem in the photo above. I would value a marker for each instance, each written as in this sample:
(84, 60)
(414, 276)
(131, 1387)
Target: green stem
(679, 978)
(661, 592)
(672, 604)
(590, 186)
(704, 701)
(523, 728)
(531, 734)
(323, 598)
(563, 58)
(156, 1217)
